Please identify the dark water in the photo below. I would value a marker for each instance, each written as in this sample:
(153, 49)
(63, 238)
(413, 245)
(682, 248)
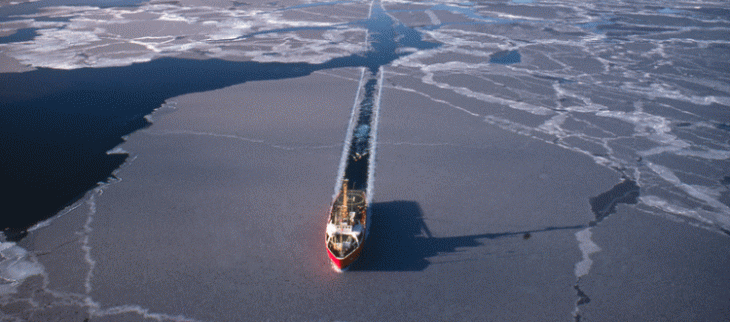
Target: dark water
(506, 57)
(25, 34)
(626, 192)
(358, 162)
(385, 38)
(56, 125)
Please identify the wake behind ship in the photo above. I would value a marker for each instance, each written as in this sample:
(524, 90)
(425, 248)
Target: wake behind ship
(347, 227)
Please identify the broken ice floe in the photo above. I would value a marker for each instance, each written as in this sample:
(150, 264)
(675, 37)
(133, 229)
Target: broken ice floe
(16, 264)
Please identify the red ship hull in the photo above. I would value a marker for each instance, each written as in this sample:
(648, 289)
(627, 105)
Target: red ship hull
(344, 263)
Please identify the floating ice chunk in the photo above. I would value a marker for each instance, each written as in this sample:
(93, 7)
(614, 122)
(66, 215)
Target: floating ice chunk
(709, 154)
(88, 36)
(16, 265)
(434, 19)
(362, 131)
(117, 150)
(701, 217)
(656, 90)
(553, 125)
(465, 68)
(166, 16)
(698, 192)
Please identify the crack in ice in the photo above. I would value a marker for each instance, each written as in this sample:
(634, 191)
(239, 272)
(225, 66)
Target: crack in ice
(237, 137)
(587, 247)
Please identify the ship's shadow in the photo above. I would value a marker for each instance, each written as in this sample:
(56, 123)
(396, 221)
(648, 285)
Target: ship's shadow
(400, 240)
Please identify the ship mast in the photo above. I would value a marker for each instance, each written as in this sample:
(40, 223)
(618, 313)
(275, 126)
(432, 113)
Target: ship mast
(343, 210)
